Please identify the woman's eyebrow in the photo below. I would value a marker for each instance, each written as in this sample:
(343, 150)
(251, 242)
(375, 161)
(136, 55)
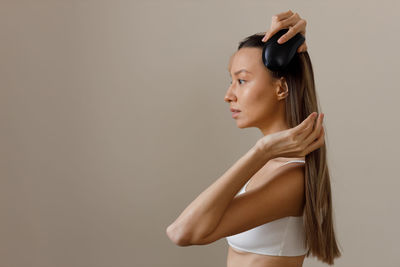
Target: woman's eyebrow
(239, 71)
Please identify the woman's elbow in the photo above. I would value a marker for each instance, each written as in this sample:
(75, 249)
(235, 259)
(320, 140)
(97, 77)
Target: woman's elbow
(177, 237)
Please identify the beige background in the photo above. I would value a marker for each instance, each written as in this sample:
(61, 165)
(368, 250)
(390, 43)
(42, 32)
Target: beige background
(112, 121)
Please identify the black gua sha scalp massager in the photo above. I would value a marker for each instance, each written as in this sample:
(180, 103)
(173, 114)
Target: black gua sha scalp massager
(278, 56)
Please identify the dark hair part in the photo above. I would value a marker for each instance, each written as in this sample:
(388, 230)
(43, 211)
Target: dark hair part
(300, 103)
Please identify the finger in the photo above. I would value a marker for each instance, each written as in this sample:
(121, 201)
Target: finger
(302, 48)
(305, 47)
(299, 24)
(283, 15)
(317, 143)
(308, 135)
(283, 24)
(266, 36)
(317, 130)
(305, 123)
(309, 128)
(277, 18)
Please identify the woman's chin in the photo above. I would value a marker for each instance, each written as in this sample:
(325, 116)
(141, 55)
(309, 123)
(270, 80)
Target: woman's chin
(241, 125)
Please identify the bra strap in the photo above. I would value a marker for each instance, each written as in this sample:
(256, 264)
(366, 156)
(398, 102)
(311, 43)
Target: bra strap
(296, 160)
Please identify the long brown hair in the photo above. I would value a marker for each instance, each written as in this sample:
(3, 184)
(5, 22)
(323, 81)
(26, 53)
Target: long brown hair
(300, 103)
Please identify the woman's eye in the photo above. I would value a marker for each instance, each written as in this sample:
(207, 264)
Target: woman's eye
(239, 81)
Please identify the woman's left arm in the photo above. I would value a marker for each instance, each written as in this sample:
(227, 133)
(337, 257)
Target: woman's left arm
(202, 215)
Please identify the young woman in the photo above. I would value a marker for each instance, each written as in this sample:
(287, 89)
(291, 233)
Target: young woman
(274, 204)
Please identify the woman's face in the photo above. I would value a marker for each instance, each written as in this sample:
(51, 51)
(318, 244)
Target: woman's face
(253, 91)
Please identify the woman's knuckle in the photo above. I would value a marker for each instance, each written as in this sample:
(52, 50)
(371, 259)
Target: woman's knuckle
(299, 146)
(293, 142)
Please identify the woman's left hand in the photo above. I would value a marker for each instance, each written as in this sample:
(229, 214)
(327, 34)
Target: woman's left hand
(295, 142)
(291, 21)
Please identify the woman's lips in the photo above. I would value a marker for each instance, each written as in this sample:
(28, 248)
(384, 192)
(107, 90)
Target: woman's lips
(235, 114)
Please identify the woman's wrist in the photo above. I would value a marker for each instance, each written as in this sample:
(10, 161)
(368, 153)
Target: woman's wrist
(262, 150)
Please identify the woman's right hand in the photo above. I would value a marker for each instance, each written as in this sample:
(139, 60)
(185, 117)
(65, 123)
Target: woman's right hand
(297, 141)
(291, 21)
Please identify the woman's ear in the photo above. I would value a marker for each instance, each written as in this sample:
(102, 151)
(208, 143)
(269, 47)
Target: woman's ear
(282, 90)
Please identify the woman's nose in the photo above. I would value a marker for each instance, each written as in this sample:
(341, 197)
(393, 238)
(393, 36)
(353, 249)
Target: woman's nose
(229, 96)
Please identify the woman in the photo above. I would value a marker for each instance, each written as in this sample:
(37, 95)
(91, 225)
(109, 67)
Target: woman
(273, 205)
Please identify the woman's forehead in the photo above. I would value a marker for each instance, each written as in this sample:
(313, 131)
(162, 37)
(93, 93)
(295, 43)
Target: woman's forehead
(245, 58)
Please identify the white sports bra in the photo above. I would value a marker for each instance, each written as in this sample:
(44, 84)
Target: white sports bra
(282, 237)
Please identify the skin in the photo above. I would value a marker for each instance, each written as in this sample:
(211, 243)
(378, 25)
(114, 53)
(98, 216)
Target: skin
(261, 101)
(216, 212)
(258, 96)
(291, 21)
